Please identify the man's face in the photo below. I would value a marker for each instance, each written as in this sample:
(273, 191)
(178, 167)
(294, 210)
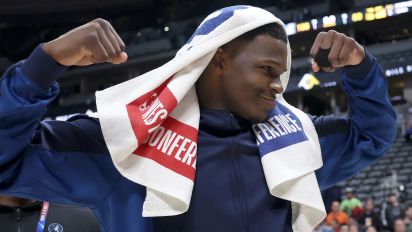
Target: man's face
(251, 77)
(353, 228)
(335, 206)
(349, 195)
(399, 225)
(408, 212)
(392, 199)
(344, 228)
(369, 205)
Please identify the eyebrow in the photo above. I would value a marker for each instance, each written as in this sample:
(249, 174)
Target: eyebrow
(273, 61)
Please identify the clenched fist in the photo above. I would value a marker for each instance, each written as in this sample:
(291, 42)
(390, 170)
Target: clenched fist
(344, 50)
(94, 42)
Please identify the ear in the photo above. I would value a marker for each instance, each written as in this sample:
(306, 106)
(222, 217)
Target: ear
(218, 60)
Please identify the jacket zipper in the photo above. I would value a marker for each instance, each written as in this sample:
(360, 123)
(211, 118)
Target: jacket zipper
(240, 196)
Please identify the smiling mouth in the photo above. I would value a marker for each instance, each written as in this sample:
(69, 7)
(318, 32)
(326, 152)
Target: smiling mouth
(270, 102)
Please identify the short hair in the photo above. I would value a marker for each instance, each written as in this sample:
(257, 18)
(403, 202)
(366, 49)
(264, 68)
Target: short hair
(275, 30)
(392, 195)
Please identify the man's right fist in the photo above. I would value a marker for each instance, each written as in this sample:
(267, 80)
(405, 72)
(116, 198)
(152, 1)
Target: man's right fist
(94, 42)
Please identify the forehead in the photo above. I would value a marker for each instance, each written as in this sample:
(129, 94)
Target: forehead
(262, 47)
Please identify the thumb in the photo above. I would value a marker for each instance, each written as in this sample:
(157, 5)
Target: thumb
(121, 58)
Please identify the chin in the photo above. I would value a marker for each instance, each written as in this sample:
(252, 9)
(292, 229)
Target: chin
(252, 114)
(257, 118)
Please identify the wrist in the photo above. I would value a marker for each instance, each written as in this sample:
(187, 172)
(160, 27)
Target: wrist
(49, 49)
(42, 68)
(361, 55)
(362, 69)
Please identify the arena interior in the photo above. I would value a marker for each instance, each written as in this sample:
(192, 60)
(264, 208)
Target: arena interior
(154, 30)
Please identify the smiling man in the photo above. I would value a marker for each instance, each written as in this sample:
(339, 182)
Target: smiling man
(244, 75)
(251, 148)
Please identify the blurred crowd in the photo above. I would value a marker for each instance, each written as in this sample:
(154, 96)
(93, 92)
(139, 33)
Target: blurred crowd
(353, 215)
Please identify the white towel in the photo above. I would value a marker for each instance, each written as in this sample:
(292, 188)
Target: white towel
(150, 125)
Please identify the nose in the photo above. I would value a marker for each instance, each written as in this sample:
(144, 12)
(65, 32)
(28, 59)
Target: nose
(276, 86)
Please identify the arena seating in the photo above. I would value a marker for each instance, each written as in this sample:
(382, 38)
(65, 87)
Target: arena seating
(390, 174)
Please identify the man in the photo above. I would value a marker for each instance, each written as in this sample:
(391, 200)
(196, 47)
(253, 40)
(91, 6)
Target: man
(353, 228)
(371, 229)
(407, 128)
(408, 215)
(23, 215)
(408, 218)
(399, 225)
(337, 215)
(236, 89)
(369, 216)
(344, 228)
(391, 211)
(350, 202)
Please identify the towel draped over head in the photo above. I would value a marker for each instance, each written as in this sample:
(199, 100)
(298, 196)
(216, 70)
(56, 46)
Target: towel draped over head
(150, 125)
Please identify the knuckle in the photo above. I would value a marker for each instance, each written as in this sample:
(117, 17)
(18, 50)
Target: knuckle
(340, 34)
(332, 32)
(95, 26)
(322, 34)
(103, 22)
(92, 37)
(99, 20)
(352, 42)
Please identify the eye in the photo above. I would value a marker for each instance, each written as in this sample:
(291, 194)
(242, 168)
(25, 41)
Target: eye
(267, 69)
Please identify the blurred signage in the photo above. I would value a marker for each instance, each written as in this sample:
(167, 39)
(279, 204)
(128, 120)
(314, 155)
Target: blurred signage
(308, 81)
(395, 71)
(367, 14)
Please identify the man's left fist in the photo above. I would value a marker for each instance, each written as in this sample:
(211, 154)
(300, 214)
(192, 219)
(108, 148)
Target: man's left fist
(344, 50)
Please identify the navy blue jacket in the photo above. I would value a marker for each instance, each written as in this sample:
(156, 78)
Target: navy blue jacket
(26, 218)
(68, 162)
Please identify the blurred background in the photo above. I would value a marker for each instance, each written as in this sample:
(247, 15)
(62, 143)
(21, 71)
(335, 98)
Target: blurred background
(154, 30)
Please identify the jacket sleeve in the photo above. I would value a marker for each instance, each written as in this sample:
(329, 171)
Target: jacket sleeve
(352, 142)
(78, 172)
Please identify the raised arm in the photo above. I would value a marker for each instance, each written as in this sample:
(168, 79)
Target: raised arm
(64, 162)
(352, 142)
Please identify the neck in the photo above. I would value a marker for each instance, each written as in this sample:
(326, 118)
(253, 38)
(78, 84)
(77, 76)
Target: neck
(15, 201)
